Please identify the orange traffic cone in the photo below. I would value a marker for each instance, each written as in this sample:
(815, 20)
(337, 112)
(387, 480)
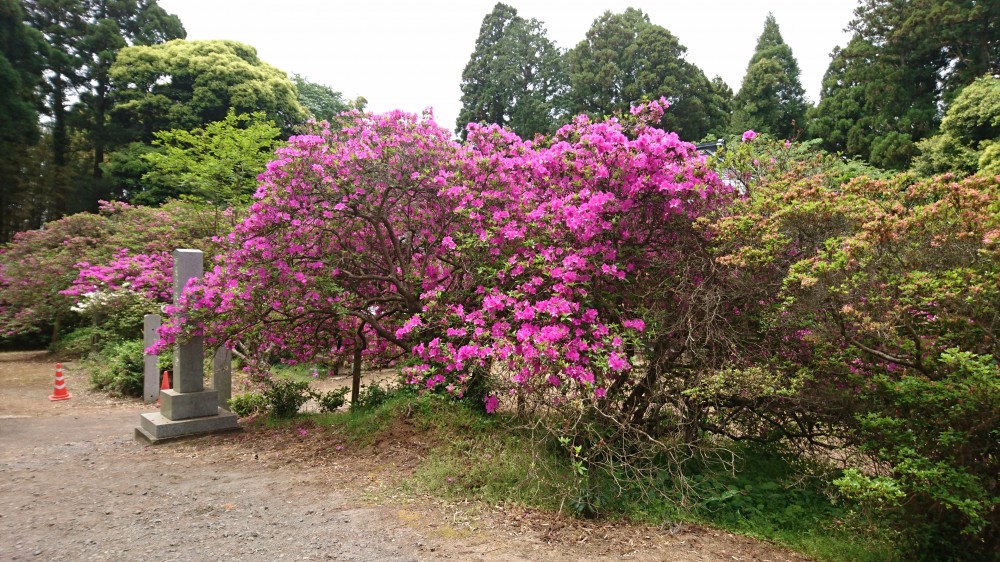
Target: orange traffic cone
(60, 393)
(164, 385)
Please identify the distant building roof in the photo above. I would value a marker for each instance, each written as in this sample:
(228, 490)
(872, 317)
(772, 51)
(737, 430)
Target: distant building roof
(711, 147)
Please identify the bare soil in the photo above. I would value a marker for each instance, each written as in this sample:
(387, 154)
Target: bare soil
(74, 485)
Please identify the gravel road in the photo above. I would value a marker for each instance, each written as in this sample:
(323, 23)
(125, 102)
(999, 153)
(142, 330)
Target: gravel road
(74, 486)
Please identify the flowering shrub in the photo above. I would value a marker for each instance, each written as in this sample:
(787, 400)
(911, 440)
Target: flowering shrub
(36, 265)
(149, 275)
(563, 240)
(878, 311)
(335, 253)
(562, 274)
(44, 273)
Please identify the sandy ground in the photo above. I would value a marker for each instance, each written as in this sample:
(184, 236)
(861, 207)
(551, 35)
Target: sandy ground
(74, 485)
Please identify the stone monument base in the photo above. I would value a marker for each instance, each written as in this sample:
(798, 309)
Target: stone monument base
(154, 428)
(177, 406)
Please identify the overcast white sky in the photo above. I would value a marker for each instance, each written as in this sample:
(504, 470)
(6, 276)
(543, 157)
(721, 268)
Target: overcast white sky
(410, 54)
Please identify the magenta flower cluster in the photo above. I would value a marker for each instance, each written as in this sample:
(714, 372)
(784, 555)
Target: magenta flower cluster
(522, 261)
(146, 274)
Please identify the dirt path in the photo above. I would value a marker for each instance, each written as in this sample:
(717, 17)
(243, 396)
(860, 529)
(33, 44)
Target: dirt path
(75, 486)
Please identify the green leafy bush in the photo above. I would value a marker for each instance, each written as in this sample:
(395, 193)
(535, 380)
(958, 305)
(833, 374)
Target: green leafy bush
(285, 397)
(77, 343)
(118, 368)
(939, 439)
(332, 400)
(248, 404)
(373, 395)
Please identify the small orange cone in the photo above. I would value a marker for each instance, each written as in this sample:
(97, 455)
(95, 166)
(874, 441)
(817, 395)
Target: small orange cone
(164, 385)
(60, 393)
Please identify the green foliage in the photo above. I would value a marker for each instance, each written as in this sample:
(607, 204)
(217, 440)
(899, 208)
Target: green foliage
(117, 315)
(974, 115)
(773, 494)
(625, 58)
(282, 398)
(118, 368)
(364, 425)
(332, 400)
(943, 154)
(321, 101)
(882, 93)
(77, 343)
(217, 165)
(939, 437)
(483, 458)
(126, 166)
(187, 84)
(248, 404)
(285, 397)
(20, 72)
(374, 394)
(877, 322)
(514, 77)
(970, 132)
(771, 99)
(84, 38)
(493, 459)
(766, 159)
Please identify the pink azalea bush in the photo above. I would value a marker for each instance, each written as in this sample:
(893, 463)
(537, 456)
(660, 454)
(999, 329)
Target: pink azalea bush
(346, 233)
(561, 240)
(147, 274)
(501, 255)
(500, 258)
(123, 248)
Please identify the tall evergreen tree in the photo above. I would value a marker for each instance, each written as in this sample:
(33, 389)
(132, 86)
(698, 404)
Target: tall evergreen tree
(625, 58)
(907, 60)
(514, 77)
(771, 98)
(959, 38)
(113, 25)
(20, 73)
(62, 24)
(841, 118)
(723, 106)
(84, 37)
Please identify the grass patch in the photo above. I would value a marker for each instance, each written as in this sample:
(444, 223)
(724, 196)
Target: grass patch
(362, 426)
(300, 372)
(771, 496)
(481, 458)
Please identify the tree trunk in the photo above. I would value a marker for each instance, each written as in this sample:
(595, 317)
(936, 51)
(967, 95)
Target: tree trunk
(60, 133)
(359, 346)
(100, 100)
(56, 326)
(356, 374)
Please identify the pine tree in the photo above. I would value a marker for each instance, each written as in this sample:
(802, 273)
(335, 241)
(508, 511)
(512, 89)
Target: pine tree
(771, 99)
(625, 59)
(907, 60)
(514, 76)
(20, 73)
(84, 38)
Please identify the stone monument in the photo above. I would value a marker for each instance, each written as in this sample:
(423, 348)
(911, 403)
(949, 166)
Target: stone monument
(186, 409)
(222, 375)
(151, 371)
